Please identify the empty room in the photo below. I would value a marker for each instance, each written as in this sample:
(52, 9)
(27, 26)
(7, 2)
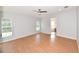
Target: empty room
(39, 29)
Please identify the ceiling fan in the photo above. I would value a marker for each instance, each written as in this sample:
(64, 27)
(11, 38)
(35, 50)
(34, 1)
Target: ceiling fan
(66, 6)
(39, 11)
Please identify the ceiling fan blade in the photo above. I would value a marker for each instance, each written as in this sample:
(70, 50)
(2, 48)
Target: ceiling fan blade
(43, 11)
(36, 11)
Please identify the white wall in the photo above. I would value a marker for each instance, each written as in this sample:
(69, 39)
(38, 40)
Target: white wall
(22, 25)
(45, 25)
(0, 22)
(66, 24)
(78, 26)
(1, 13)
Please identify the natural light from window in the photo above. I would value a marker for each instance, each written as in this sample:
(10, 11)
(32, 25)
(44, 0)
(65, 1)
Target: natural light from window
(6, 28)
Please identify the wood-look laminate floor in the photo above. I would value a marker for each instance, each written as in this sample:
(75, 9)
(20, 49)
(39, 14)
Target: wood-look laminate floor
(39, 43)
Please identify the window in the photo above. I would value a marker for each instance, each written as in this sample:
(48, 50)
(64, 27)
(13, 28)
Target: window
(6, 26)
(38, 25)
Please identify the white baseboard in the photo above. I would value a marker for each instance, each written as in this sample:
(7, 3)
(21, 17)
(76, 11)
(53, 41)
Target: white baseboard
(74, 38)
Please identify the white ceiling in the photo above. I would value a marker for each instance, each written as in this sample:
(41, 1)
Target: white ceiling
(27, 10)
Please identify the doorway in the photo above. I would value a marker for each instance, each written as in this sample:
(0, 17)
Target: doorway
(53, 28)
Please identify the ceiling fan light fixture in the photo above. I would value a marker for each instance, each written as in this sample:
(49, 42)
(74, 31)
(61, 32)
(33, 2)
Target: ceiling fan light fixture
(66, 7)
(39, 11)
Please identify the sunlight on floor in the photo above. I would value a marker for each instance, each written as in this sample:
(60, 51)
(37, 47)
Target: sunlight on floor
(53, 36)
(38, 38)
